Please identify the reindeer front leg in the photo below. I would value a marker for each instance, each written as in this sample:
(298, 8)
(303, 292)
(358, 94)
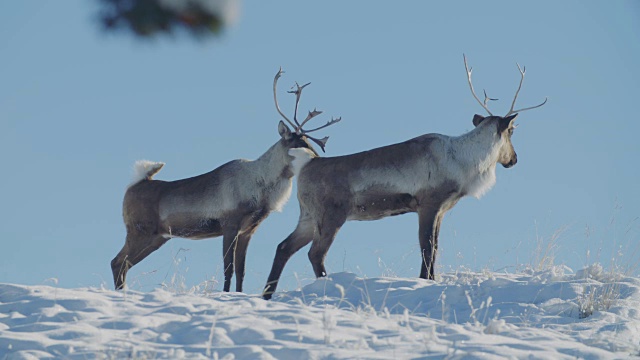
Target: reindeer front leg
(319, 249)
(241, 254)
(254, 221)
(229, 241)
(429, 227)
(300, 237)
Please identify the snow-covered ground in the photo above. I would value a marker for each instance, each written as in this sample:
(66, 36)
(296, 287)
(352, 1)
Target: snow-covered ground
(552, 314)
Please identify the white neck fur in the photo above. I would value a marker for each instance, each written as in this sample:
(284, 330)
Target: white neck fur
(476, 153)
(270, 167)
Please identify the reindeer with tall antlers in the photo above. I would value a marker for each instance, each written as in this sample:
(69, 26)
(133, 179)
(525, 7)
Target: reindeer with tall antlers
(427, 175)
(230, 201)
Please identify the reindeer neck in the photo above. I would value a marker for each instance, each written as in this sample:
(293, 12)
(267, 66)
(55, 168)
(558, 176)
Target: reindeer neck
(476, 153)
(275, 155)
(273, 171)
(273, 166)
(477, 149)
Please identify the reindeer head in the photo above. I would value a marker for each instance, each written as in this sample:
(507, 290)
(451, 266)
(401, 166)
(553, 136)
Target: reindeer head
(299, 136)
(291, 140)
(503, 125)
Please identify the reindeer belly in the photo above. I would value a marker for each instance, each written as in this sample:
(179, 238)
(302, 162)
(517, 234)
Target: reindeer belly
(374, 207)
(178, 225)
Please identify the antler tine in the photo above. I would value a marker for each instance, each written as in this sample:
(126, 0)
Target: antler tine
(310, 116)
(275, 98)
(522, 70)
(529, 108)
(298, 93)
(486, 98)
(321, 142)
(471, 86)
(329, 123)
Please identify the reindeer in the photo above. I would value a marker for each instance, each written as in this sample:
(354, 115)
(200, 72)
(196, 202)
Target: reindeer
(426, 175)
(230, 201)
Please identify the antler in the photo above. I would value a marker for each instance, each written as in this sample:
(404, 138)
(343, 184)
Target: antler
(329, 123)
(486, 98)
(275, 98)
(297, 127)
(297, 92)
(511, 111)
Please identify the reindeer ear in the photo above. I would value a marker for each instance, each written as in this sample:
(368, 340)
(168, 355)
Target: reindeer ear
(477, 119)
(506, 123)
(284, 130)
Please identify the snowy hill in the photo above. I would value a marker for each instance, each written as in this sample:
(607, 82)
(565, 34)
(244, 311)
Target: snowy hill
(553, 314)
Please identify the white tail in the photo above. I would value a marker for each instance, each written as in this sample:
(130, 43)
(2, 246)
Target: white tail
(230, 201)
(426, 175)
(144, 170)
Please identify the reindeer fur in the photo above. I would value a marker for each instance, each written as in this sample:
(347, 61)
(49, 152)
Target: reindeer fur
(427, 175)
(230, 201)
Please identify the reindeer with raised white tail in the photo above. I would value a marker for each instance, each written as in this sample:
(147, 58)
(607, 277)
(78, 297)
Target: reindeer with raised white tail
(427, 175)
(230, 201)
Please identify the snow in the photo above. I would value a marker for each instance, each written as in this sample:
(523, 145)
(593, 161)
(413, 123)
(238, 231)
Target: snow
(551, 314)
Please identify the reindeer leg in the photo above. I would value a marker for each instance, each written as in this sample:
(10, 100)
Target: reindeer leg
(331, 223)
(243, 243)
(435, 237)
(136, 248)
(428, 235)
(241, 253)
(119, 267)
(430, 218)
(321, 245)
(229, 242)
(301, 236)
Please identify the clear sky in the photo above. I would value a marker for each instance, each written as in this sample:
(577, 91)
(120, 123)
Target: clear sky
(78, 107)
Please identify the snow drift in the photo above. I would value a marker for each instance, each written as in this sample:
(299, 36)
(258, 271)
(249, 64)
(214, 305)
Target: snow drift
(554, 314)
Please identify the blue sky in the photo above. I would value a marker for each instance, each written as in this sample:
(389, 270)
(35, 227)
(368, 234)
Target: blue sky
(78, 107)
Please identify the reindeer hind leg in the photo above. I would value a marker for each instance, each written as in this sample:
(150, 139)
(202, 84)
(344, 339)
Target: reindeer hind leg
(119, 267)
(136, 248)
